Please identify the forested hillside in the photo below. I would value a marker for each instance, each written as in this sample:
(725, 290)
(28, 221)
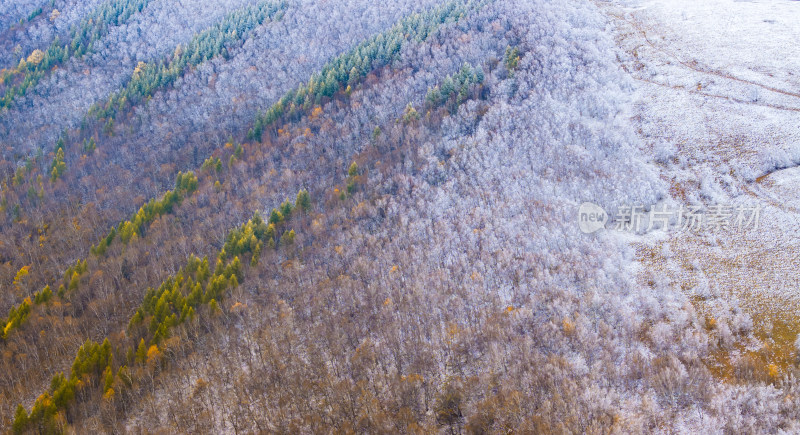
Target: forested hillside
(355, 217)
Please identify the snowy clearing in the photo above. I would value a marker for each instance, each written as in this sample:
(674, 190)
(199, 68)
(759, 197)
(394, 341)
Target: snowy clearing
(718, 105)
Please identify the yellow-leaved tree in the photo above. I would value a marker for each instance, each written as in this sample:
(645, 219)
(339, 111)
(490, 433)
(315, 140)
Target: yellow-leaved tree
(36, 57)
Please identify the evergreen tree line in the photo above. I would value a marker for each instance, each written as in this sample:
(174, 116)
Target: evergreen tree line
(230, 32)
(81, 40)
(173, 303)
(92, 367)
(146, 79)
(379, 50)
(352, 67)
(185, 185)
(17, 315)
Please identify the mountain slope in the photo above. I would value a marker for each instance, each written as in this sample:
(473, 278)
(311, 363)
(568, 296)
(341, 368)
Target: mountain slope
(434, 278)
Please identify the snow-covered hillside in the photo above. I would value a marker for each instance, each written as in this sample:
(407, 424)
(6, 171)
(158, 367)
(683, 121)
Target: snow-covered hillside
(361, 217)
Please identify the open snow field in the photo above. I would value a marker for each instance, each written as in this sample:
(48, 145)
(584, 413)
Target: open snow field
(718, 106)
